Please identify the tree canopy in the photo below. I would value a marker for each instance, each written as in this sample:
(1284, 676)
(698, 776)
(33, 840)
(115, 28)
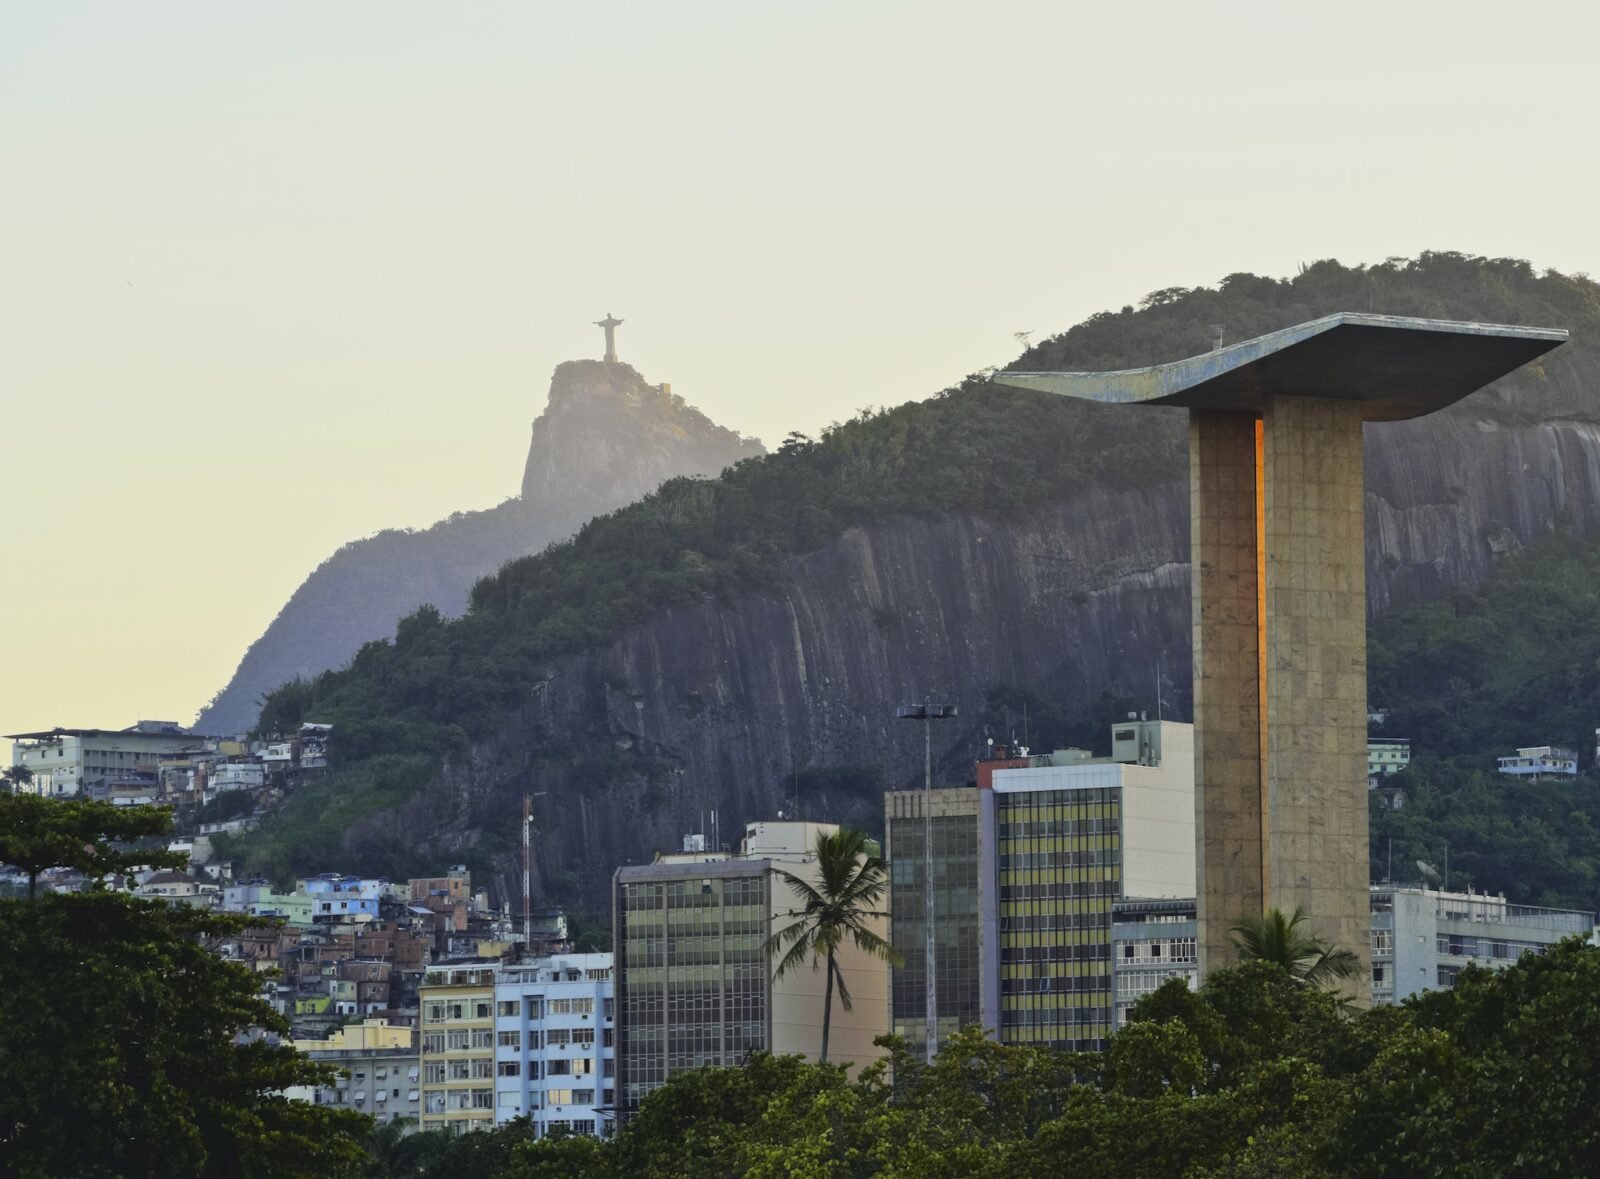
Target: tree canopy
(127, 1048)
(1255, 1074)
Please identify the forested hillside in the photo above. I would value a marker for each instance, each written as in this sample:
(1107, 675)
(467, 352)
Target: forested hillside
(714, 643)
(1514, 661)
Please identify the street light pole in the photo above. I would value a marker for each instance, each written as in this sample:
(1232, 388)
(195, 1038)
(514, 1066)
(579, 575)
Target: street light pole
(927, 714)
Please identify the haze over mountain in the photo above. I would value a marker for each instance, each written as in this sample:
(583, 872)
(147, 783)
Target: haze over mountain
(605, 438)
(739, 645)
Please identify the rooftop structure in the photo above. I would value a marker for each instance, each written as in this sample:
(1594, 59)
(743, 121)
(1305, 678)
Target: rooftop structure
(1276, 534)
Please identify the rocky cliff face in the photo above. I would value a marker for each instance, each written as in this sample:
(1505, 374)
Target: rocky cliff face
(604, 439)
(717, 706)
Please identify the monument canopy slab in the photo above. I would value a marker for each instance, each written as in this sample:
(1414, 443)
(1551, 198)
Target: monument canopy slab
(1396, 367)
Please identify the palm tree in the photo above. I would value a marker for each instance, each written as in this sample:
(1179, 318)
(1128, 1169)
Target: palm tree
(13, 780)
(849, 886)
(1284, 942)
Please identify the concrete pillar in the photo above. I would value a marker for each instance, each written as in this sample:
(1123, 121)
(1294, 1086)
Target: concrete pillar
(1229, 855)
(1316, 669)
(1280, 670)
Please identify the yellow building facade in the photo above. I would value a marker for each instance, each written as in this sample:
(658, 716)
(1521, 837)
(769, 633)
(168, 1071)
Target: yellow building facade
(458, 1035)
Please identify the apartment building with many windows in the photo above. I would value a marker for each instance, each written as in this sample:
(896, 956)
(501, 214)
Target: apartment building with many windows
(555, 1043)
(1423, 937)
(457, 1005)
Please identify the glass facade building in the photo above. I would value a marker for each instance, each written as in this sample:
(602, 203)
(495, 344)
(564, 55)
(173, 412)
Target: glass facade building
(694, 983)
(691, 974)
(958, 959)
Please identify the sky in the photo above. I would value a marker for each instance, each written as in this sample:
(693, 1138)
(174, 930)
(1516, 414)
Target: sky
(275, 276)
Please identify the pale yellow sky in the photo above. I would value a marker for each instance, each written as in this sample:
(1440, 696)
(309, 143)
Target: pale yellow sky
(274, 276)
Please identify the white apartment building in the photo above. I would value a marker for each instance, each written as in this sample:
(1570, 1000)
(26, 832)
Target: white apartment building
(555, 1043)
(1422, 937)
(68, 762)
(1536, 763)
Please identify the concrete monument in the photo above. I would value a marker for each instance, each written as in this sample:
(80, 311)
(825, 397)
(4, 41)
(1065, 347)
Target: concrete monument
(610, 326)
(1279, 601)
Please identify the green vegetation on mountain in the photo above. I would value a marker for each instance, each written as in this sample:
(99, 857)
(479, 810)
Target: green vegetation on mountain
(1254, 1075)
(403, 708)
(1512, 662)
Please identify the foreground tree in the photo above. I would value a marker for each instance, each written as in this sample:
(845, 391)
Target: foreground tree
(126, 1047)
(834, 911)
(1286, 942)
(38, 833)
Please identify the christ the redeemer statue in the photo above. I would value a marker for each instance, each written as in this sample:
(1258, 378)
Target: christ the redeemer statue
(610, 325)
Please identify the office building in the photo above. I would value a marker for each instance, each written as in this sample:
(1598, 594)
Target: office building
(1033, 859)
(958, 963)
(694, 985)
(555, 1043)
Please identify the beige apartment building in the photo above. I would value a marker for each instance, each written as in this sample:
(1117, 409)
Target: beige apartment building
(458, 1035)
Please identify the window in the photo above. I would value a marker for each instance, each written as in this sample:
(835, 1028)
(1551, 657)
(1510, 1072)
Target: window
(508, 1099)
(510, 1068)
(558, 1068)
(460, 1070)
(511, 1039)
(583, 1097)
(571, 1006)
(456, 1041)
(483, 1098)
(483, 1037)
(480, 1010)
(455, 1010)
(509, 1007)
(435, 1074)
(559, 1097)
(435, 1012)
(582, 1066)
(610, 1008)
(534, 1070)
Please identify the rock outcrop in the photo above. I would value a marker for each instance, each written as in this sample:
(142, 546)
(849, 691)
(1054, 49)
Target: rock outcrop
(717, 706)
(604, 439)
